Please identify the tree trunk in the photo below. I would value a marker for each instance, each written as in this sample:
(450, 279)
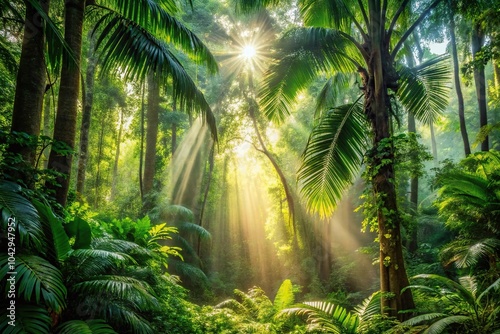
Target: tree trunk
(99, 158)
(480, 82)
(381, 75)
(86, 116)
(65, 126)
(413, 244)
(46, 127)
(458, 88)
(151, 138)
(117, 156)
(30, 85)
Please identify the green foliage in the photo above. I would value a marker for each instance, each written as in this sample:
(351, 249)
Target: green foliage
(463, 307)
(85, 327)
(285, 296)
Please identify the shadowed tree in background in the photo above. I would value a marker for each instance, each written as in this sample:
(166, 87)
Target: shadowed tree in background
(351, 37)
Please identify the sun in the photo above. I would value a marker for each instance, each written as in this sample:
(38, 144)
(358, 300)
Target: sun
(248, 52)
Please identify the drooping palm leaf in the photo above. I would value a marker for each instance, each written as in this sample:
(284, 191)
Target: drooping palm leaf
(303, 54)
(29, 319)
(327, 13)
(83, 264)
(453, 286)
(333, 157)
(440, 326)
(327, 98)
(36, 280)
(424, 91)
(250, 5)
(156, 18)
(187, 270)
(127, 48)
(195, 229)
(18, 209)
(95, 326)
(369, 308)
(57, 239)
(464, 254)
(119, 246)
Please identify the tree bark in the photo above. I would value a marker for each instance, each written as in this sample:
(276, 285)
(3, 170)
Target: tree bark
(151, 137)
(458, 88)
(480, 82)
(86, 116)
(65, 126)
(380, 77)
(117, 156)
(30, 85)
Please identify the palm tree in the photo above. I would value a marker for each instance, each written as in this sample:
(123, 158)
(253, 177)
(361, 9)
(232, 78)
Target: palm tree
(464, 307)
(362, 38)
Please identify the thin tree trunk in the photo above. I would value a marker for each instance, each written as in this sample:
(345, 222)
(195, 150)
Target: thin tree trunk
(117, 156)
(30, 85)
(480, 82)
(141, 151)
(46, 127)
(86, 116)
(433, 144)
(413, 244)
(458, 88)
(65, 125)
(151, 138)
(98, 173)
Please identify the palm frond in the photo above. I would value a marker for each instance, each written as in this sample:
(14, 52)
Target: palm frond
(15, 208)
(327, 98)
(252, 5)
(467, 255)
(187, 270)
(333, 318)
(424, 91)
(326, 13)
(151, 16)
(465, 294)
(285, 296)
(440, 326)
(37, 280)
(332, 157)
(369, 307)
(423, 318)
(95, 326)
(195, 229)
(493, 286)
(127, 48)
(119, 246)
(83, 264)
(303, 54)
(29, 319)
(234, 305)
(58, 241)
(118, 287)
(177, 213)
(80, 229)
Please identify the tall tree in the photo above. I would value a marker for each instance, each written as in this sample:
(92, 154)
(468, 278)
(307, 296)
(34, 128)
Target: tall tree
(67, 104)
(88, 102)
(346, 36)
(31, 80)
(458, 87)
(151, 138)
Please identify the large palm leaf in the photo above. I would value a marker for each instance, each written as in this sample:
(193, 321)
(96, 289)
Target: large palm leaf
(15, 208)
(326, 316)
(156, 18)
(96, 326)
(29, 319)
(303, 53)
(126, 47)
(332, 156)
(37, 280)
(424, 90)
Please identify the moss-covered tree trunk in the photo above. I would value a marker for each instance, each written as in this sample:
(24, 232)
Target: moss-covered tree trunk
(30, 84)
(379, 79)
(65, 126)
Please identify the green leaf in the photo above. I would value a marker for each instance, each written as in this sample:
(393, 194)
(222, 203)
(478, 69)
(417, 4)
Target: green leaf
(29, 319)
(424, 91)
(36, 280)
(332, 157)
(79, 229)
(27, 222)
(285, 296)
(96, 326)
